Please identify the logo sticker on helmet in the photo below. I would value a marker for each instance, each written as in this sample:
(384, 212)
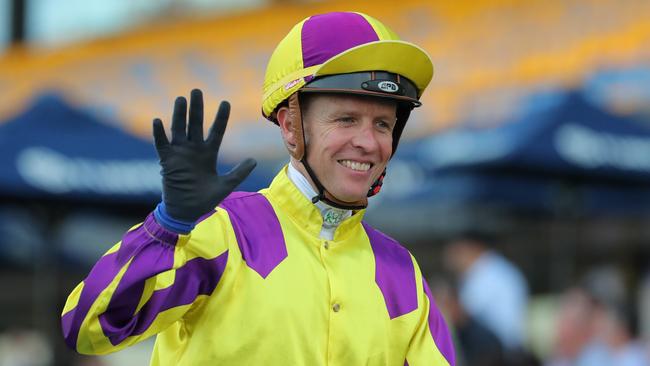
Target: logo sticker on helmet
(291, 84)
(388, 86)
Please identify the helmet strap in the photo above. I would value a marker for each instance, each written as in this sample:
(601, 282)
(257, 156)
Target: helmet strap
(297, 151)
(376, 187)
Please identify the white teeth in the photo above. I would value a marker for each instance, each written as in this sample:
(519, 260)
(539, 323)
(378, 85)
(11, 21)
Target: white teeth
(355, 165)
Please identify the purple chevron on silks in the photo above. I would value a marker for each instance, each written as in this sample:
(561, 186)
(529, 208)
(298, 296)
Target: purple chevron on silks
(258, 231)
(198, 276)
(148, 263)
(394, 273)
(320, 42)
(149, 241)
(438, 328)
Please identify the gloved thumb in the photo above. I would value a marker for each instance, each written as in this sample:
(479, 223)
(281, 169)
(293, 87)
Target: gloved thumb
(237, 175)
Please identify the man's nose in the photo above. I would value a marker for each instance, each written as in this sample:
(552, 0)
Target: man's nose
(366, 137)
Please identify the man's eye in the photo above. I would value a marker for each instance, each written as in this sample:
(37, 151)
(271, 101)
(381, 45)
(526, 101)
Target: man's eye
(346, 119)
(384, 125)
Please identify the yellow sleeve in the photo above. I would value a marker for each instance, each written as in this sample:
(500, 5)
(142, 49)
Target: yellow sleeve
(431, 344)
(145, 283)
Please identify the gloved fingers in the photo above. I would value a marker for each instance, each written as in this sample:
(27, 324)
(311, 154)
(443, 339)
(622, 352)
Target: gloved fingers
(159, 136)
(237, 175)
(195, 128)
(219, 125)
(178, 120)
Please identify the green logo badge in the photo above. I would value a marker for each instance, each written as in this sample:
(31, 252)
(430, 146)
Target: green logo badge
(332, 217)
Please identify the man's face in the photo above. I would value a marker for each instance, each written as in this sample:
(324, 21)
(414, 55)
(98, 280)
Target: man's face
(349, 141)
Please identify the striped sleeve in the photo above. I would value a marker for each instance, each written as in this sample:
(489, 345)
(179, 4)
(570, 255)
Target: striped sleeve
(146, 282)
(432, 343)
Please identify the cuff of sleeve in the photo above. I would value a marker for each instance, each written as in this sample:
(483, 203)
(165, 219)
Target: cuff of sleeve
(169, 223)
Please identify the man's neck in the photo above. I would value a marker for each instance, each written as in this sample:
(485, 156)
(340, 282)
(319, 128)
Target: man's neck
(301, 180)
(332, 216)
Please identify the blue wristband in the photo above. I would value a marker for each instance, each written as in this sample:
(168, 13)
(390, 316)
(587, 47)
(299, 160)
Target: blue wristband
(169, 223)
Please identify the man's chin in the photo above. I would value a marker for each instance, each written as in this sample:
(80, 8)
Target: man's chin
(349, 197)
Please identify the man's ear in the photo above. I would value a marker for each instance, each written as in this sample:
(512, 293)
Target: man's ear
(289, 120)
(286, 127)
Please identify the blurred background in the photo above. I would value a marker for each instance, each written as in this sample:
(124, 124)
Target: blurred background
(522, 185)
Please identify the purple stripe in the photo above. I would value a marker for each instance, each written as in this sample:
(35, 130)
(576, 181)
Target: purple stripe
(394, 273)
(258, 231)
(154, 261)
(66, 324)
(198, 276)
(106, 269)
(327, 35)
(438, 328)
(150, 262)
(98, 278)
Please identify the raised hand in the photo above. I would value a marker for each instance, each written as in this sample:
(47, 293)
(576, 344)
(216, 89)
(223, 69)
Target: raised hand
(191, 183)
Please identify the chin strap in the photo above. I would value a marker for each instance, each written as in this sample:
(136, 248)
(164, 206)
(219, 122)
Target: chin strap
(376, 187)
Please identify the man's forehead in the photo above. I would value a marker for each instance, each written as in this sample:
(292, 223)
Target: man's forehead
(349, 100)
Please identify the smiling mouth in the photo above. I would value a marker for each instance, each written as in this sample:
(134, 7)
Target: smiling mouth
(355, 165)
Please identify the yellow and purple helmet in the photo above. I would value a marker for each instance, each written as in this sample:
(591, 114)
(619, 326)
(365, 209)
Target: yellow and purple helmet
(370, 55)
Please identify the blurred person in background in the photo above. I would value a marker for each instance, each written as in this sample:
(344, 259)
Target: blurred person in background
(20, 347)
(476, 345)
(596, 325)
(491, 289)
(576, 331)
(289, 275)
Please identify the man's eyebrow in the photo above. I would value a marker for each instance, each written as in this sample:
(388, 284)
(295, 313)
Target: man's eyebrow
(344, 112)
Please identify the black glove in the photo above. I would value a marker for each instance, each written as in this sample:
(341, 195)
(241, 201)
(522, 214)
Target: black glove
(191, 185)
